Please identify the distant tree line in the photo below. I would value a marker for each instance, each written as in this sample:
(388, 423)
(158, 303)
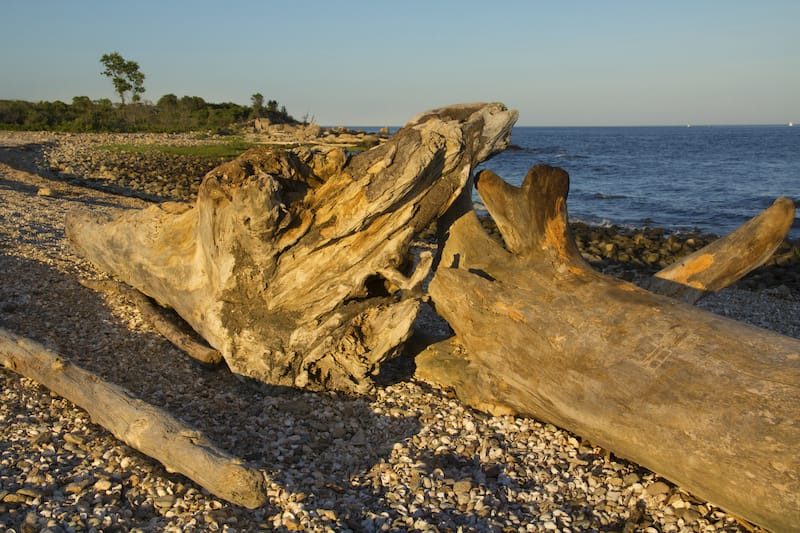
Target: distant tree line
(169, 114)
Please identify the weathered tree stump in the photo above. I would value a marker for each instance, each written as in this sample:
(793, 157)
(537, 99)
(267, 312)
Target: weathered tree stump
(293, 264)
(708, 402)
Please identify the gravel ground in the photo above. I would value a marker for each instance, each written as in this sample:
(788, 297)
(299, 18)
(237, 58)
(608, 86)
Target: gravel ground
(408, 458)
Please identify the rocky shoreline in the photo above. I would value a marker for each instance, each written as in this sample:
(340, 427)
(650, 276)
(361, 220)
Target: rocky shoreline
(409, 457)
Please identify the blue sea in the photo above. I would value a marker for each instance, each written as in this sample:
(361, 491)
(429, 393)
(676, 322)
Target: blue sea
(706, 178)
(680, 178)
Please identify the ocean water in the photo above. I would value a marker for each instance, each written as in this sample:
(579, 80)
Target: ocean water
(706, 178)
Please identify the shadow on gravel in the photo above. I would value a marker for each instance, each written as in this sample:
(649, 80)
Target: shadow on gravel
(308, 443)
(30, 158)
(25, 157)
(32, 190)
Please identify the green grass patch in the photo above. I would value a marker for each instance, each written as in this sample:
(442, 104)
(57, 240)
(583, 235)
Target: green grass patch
(229, 149)
(358, 148)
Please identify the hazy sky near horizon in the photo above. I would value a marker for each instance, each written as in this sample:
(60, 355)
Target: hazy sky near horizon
(376, 62)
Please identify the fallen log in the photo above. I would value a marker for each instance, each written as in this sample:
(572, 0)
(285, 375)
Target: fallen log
(293, 264)
(705, 401)
(140, 425)
(174, 333)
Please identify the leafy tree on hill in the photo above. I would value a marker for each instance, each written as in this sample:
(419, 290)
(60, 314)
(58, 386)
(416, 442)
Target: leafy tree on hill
(258, 105)
(125, 75)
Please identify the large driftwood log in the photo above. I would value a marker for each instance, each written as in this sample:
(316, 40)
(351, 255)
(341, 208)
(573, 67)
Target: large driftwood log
(140, 425)
(293, 264)
(710, 403)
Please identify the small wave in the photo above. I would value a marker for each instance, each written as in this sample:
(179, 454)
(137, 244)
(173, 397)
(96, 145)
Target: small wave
(603, 196)
(543, 149)
(644, 225)
(604, 223)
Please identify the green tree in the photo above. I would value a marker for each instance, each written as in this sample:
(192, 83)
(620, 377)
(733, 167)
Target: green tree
(168, 101)
(125, 75)
(258, 104)
(13, 112)
(88, 115)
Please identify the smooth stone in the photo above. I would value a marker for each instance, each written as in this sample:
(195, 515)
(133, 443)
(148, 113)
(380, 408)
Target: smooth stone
(657, 488)
(164, 502)
(102, 485)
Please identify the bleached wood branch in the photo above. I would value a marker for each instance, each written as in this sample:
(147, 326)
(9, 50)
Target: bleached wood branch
(140, 425)
(155, 317)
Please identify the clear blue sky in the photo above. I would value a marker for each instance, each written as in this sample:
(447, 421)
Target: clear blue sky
(378, 62)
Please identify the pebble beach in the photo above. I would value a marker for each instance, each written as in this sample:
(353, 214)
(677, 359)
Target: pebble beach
(410, 457)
